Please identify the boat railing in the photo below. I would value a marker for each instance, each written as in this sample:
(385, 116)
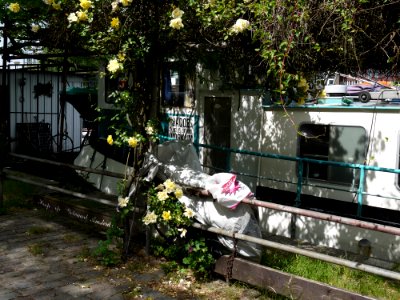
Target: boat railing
(7, 174)
(359, 189)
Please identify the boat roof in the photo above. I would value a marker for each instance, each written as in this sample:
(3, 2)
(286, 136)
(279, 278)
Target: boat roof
(342, 103)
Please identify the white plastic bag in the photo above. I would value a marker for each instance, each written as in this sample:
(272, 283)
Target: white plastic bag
(227, 190)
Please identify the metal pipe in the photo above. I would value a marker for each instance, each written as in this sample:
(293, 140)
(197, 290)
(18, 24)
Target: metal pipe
(299, 183)
(61, 190)
(326, 217)
(304, 159)
(360, 192)
(292, 249)
(59, 164)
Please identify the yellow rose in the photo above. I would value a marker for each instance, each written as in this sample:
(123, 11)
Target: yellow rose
(123, 202)
(240, 25)
(177, 13)
(113, 66)
(125, 2)
(14, 7)
(121, 56)
(178, 193)
(176, 23)
(150, 130)
(35, 28)
(162, 196)
(56, 6)
(166, 215)
(72, 17)
(169, 185)
(150, 218)
(115, 23)
(110, 140)
(133, 142)
(85, 4)
(82, 15)
(114, 6)
(189, 213)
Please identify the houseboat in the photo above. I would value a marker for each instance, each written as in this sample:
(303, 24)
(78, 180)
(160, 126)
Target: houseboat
(336, 155)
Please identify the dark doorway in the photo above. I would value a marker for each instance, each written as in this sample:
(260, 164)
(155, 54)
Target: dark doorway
(217, 132)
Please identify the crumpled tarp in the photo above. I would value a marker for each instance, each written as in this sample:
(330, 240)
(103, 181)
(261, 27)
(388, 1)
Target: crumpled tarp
(178, 161)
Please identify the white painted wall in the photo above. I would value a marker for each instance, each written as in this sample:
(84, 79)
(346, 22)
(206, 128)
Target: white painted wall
(275, 131)
(384, 246)
(279, 136)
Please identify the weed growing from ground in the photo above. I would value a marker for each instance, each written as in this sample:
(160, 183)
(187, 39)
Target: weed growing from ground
(109, 251)
(37, 249)
(36, 230)
(17, 195)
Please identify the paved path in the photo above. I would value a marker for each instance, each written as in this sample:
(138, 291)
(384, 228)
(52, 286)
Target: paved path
(44, 259)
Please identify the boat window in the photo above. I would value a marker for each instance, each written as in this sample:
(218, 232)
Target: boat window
(332, 143)
(177, 89)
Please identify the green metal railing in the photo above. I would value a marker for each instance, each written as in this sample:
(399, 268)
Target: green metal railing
(300, 163)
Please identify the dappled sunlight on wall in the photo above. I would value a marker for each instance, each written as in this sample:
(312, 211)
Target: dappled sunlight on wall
(280, 136)
(273, 222)
(384, 246)
(334, 235)
(246, 117)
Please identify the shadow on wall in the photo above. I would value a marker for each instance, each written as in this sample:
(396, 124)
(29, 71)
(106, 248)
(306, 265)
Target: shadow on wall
(329, 234)
(246, 134)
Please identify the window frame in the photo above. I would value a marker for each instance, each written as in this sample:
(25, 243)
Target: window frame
(183, 90)
(327, 176)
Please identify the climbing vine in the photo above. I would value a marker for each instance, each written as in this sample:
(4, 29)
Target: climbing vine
(274, 45)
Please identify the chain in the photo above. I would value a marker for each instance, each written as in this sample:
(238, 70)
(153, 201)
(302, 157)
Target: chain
(231, 259)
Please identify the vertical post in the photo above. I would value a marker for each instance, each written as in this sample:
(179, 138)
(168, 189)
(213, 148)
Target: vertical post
(62, 103)
(4, 89)
(299, 182)
(196, 133)
(360, 192)
(297, 201)
(4, 110)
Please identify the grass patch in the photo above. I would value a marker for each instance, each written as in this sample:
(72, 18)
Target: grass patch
(18, 195)
(335, 275)
(35, 230)
(71, 238)
(137, 266)
(38, 248)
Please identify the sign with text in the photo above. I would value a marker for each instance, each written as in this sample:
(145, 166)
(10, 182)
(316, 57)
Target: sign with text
(182, 127)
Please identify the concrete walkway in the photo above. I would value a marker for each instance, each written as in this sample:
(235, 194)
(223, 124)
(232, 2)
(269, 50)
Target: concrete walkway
(45, 259)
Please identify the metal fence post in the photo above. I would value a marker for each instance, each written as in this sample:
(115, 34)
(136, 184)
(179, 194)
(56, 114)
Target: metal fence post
(360, 192)
(297, 201)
